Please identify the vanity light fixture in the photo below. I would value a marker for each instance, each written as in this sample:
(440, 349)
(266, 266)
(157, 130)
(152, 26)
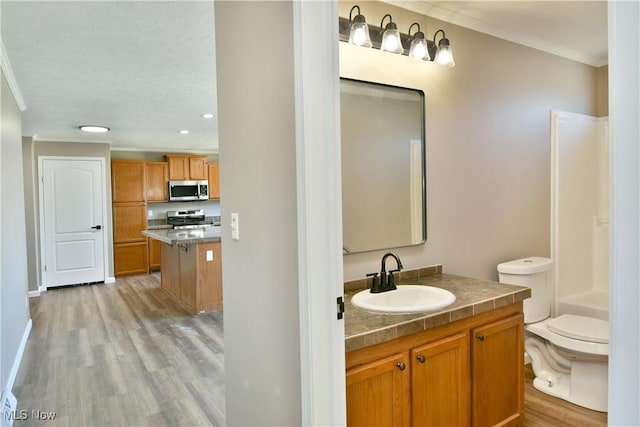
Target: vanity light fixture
(419, 48)
(444, 55)
(391, 41)
(356, 31)
(183, 131)
(94, 128)
(207, 116)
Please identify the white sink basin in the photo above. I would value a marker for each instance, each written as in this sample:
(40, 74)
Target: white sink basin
(405, 299)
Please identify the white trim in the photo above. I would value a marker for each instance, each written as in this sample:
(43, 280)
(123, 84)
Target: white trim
(319, 204)
(11, 78)
(105, 219)
(457, 18)
(110, 280)
(18, 359)
(624, 231)
(33, 294)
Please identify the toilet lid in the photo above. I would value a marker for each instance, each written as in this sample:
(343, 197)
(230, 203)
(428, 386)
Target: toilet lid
(580, 328)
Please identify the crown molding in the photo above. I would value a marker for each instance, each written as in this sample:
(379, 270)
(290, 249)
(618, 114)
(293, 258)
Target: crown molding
(456, 18)
(11, 78)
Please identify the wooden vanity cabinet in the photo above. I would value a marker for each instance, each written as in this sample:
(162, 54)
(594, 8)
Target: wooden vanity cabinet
(445, 376)
(378, 392)
(497, 370)
(157, 181)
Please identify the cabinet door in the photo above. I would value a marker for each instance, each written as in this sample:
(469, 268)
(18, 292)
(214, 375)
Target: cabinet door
(178, 166)
(378, 393)
(127, 181)
(154, 254)
(214, 181)
(440, 382)
(130, 258)
(497, 372)
(157, 178)
(170, 277)
(129, 219)
(198, 167)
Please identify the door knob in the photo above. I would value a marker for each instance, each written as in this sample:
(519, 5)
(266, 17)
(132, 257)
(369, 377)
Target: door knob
(401, 365)
(96, 227)
(480, 337)
(421, 358)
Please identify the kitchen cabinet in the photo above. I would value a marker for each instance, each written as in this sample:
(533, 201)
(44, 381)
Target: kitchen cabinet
(157, 181)
(192, 274)
(190, 167)
(214, 181)
(130, 258)
(129, 219)
(497, 371)
(469, 372)
(127, 181)
(154, 254)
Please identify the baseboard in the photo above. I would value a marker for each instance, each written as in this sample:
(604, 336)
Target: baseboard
(110, 280)
(18, 359)
(33, 294)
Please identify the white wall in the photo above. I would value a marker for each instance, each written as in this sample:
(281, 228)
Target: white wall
(14, 321)
(258, 181)
(487, 142)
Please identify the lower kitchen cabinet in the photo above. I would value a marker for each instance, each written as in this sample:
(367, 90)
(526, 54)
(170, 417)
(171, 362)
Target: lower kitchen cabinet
(466, 373)
(192, 274)
(130, 258)
(155, 259)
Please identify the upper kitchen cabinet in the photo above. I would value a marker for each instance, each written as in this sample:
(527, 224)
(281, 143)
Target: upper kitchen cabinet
(183, 166)
(128, 181)
(157, 178)
(214, 181)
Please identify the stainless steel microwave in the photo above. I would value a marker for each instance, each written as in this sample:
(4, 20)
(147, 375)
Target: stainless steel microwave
(183, 191)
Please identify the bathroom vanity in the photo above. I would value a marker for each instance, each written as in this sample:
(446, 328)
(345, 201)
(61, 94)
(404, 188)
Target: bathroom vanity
(462, 365)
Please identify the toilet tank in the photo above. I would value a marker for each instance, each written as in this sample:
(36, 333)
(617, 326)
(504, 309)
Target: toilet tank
(535, 273)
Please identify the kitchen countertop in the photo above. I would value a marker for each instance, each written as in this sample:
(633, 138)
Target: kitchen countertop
(473, 296)
(191, 235)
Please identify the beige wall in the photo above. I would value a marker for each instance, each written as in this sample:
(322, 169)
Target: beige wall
(14, 313)
(31, 151)
(258, 181)
(603, 91)
(487, 136)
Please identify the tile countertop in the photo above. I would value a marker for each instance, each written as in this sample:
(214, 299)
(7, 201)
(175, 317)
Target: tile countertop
(473, 296)
(191, 235)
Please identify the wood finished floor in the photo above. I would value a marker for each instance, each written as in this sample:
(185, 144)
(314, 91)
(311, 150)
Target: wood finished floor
(121, 354)
(125, 354)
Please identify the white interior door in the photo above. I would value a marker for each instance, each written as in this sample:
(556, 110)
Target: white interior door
(72, 195)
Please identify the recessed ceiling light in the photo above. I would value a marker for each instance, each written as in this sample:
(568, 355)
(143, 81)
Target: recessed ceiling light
(207, 116)
(94, 128)
(183, 131)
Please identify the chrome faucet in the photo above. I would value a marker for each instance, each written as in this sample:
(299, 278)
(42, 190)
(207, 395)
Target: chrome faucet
(385, 282)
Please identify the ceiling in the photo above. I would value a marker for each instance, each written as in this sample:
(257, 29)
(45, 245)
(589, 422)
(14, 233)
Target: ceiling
(147, 69)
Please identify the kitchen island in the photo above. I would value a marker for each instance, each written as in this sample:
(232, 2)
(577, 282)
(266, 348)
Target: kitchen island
(191, 266)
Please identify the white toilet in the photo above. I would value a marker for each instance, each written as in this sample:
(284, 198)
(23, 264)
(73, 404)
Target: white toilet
(569, 354)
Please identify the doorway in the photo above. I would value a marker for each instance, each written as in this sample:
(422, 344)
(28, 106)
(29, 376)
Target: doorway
(72, 194)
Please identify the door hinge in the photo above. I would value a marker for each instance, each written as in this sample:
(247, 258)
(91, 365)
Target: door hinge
(340, 304)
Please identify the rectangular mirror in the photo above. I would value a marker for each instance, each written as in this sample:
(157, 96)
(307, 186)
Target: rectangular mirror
(383, 166)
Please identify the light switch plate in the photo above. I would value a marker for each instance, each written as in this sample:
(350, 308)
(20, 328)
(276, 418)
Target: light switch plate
(235, 226)
(210, 255)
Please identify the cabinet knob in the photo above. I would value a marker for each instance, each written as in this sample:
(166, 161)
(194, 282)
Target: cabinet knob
(480, 337)
(401, 365)
(420, 358)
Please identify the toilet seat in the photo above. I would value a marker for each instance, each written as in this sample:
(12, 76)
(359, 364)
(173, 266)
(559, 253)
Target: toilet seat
(542, 330)
(580, 328)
